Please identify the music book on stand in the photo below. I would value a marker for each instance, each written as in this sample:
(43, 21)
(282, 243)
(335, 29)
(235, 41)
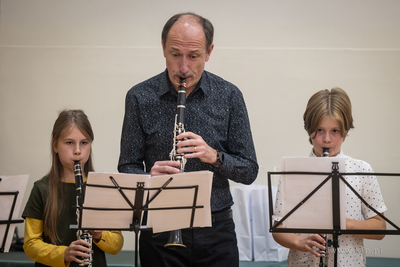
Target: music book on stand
(105, 207)
(295, 188)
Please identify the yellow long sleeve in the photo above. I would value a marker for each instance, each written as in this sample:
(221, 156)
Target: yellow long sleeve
(111, 242)
(40, 251)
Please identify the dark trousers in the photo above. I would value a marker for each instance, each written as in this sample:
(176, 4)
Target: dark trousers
(208, 246)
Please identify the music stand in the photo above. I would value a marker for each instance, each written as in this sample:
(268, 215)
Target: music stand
(133, 193)
(10, 205)
(335, 176)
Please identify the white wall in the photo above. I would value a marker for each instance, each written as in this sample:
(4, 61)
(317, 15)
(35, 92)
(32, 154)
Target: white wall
(86, 54)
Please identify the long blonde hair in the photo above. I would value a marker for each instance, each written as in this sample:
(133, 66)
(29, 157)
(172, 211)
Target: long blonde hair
(65, 120)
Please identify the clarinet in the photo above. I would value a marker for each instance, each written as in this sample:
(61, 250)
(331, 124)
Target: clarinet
(179, 124)
(80, 234)
(323, 261)
(175, 237)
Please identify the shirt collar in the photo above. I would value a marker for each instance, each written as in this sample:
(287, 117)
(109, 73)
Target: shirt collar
(166, 85)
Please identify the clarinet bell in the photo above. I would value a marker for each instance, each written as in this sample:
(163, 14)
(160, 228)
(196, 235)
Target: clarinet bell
(175, 240)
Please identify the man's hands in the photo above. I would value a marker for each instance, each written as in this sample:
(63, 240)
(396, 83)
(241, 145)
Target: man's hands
(164, 167)
(193, 146)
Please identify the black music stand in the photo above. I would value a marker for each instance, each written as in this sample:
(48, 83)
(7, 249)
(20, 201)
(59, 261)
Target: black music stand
(335, 176)
(136, 206)
(9, 221)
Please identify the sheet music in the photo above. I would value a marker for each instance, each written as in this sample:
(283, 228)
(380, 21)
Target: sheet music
(159, 220)
(98, 197)
(316, 212)
(167, 220)
(11, 184)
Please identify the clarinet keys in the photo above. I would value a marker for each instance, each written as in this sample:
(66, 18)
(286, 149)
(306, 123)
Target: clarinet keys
(87, 261)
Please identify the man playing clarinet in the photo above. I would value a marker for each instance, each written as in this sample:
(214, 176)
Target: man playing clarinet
(217, 138)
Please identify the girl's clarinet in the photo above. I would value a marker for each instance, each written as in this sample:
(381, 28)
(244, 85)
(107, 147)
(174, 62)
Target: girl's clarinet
(80, 234)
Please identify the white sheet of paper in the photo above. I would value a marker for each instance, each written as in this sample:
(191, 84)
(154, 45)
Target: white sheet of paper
(167, 220)
(110, 198)
(316, 212)
(15, 183)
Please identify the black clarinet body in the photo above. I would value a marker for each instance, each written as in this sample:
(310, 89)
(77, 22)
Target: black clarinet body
(78, 182)
(179, 126)
(175, 237)
(80, 234)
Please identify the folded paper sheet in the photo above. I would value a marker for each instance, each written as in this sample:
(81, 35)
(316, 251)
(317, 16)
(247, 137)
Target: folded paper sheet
(316, 212)
(172, 219)
(119, 213)
(11, 184)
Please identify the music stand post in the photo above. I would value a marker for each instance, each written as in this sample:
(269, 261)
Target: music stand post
(138, 207)
(9, 221)
(335, 177)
